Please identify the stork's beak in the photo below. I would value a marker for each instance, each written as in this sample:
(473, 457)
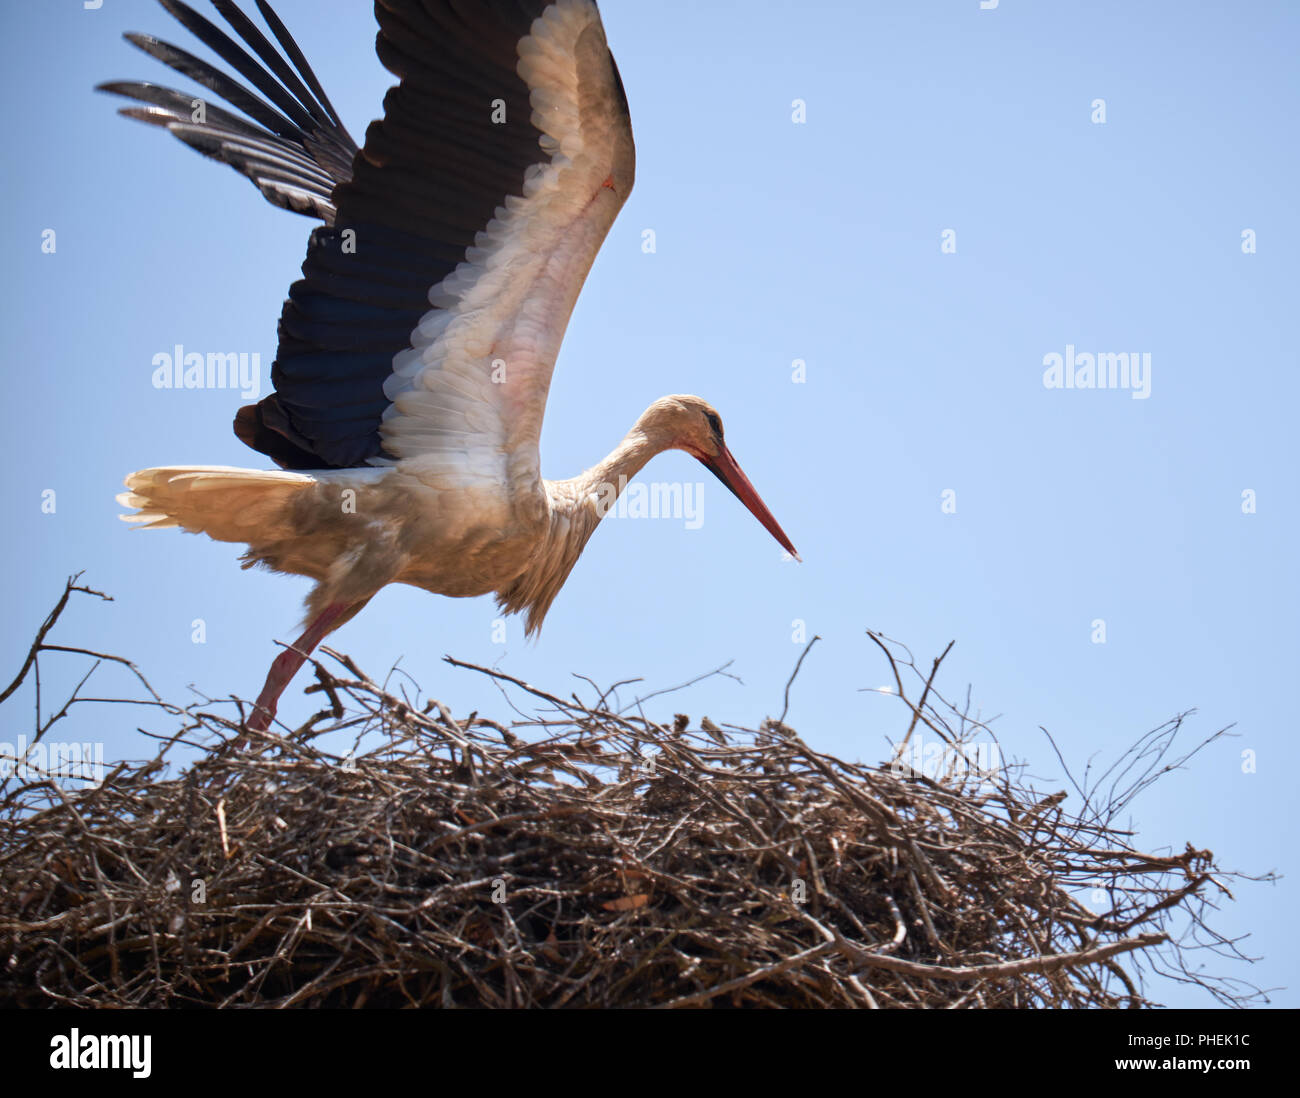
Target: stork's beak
(724, 467)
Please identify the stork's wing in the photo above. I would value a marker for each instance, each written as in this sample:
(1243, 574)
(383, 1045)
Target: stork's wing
(485, 191)
(296, 151)
(503, 156)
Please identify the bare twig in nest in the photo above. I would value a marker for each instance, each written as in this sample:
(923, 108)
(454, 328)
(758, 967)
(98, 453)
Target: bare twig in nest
(785, 707)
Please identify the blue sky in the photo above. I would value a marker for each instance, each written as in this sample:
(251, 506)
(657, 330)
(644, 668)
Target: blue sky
(775, 241)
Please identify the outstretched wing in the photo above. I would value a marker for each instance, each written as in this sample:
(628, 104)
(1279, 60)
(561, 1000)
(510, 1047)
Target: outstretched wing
(434, 300)
(503, 156)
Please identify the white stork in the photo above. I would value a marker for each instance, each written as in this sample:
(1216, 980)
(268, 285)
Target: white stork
(416, 351)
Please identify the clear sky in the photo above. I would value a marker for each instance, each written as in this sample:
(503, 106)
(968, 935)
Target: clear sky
(936, 488)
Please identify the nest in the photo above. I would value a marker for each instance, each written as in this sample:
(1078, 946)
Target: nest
(582, 855)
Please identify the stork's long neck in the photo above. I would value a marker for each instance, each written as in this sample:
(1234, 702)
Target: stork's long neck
(576, 507)
(606, 480)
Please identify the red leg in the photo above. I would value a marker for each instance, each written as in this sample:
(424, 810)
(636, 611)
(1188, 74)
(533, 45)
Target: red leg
(286, 665)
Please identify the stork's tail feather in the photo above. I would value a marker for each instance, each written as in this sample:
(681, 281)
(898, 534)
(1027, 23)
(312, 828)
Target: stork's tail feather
(226, 503)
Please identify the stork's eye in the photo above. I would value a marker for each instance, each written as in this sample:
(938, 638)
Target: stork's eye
(715, 424)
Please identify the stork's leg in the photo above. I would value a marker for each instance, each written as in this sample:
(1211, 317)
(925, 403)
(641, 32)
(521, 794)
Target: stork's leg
(286, 664)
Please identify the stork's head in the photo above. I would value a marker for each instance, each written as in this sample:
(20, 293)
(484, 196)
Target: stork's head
(692, 424)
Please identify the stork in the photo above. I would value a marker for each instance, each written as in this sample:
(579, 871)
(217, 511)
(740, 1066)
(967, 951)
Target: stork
(415, 353)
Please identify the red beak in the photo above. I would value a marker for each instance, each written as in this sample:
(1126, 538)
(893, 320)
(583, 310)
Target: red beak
(724, 467)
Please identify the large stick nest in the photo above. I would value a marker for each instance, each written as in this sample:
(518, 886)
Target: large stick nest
(584, 855)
